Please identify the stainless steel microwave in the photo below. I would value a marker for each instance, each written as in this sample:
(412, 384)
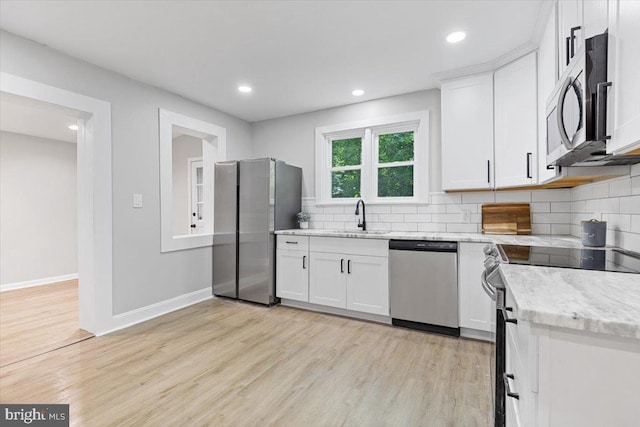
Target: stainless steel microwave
(576, 112)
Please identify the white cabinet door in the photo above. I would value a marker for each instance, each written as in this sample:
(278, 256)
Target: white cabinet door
(569, 16)
(368, 284)
(476, 310)
(594, 17)
(547, 78)
(623, 106)
(327, 279)
(516, 140)
(467, 133)
(292, 275)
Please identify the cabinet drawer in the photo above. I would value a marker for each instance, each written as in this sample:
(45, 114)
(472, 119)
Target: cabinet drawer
(295, 243)
(350, 246)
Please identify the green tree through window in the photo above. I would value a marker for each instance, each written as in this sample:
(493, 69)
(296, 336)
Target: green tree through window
(395, 170)
(346, 160)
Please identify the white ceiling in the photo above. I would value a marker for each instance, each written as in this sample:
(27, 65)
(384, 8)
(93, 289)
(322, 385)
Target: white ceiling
(297, 55)
(28, 117)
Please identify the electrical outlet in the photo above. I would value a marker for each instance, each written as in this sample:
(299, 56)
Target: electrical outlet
(466, 216)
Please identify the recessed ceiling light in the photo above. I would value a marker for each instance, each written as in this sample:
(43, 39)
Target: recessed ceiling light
(244, 89)
(456, 37)
(73, 127)
(357, 92)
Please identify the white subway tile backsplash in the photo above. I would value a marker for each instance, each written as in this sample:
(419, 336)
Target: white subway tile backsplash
(462, 228)
(540, 228)
(391, 217)
(432, 227)
(620, 222)
(513, 196)
(554, 211)
(630, 205)
(443, 199)
(432, 209)
(479, 197)
(411, 226)
(382, 209)
(404, 209)
(601, 190)
(609, 205)
(541, 207)
(619, 202)
(620, 187)
(560, 229)
(635, 185)
(446, 218)
(417, 217)
(560, 206)
(335, 209)
(551, 218)
(559, 195)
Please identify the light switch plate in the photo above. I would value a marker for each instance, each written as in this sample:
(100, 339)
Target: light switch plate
(137, 200)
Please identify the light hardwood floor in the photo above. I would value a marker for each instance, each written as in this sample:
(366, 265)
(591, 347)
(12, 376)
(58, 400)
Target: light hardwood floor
(38, 319)
(227, 363)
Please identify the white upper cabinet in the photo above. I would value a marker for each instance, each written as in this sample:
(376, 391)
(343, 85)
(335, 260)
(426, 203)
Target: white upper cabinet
(570, 31)
(623, 68)
(594, 16)
(467, 133)
(516, 142)
(547, 77)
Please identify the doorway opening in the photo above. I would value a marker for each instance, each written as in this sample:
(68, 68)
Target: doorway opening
(39, 303)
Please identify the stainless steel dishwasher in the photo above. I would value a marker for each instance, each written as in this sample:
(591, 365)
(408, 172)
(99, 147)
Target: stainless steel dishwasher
(423, 285)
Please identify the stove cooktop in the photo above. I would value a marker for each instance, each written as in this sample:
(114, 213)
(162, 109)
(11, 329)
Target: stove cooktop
(601, 259)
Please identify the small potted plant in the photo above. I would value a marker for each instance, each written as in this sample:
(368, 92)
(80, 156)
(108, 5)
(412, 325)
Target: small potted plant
(303, 219)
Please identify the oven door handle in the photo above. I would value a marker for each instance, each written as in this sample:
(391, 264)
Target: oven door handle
(560, 112)
(488, 289)
(508, 319)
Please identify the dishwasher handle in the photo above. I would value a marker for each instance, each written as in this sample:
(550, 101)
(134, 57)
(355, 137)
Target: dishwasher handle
(423, 245)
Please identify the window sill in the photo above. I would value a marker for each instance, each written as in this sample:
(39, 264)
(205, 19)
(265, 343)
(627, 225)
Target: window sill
(350, 202)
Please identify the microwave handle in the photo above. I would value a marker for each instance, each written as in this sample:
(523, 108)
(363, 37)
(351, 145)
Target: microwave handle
(560, 112)
(601, 111)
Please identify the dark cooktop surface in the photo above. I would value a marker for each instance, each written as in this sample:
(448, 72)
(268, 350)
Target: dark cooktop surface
(602, 259)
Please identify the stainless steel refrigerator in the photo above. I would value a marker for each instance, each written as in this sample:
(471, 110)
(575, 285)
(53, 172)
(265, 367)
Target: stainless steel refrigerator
(252, 199)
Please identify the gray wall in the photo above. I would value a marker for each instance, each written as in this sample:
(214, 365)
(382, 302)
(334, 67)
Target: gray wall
(141, 274)
(292, 138)
(38, 221)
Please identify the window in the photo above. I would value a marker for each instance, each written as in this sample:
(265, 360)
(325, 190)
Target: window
(381, 160)
(188, 150)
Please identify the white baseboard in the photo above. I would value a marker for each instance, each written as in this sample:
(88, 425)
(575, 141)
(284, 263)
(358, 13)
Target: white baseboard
(336, 311)
(142, 314)
(37, 282)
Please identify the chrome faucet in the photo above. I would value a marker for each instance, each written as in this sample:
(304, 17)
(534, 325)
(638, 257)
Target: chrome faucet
(362, 224)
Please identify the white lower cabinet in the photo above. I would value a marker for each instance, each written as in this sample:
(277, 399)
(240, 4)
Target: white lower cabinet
(367, 284)
(292, 274)
(354, 282)
(327, 280)
(566, 377)
(475, 309)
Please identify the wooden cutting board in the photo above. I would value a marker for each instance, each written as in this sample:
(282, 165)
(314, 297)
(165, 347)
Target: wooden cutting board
(506, 218)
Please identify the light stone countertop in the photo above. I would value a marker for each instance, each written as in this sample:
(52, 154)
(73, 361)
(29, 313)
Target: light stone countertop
(560, 241)
(596, 301)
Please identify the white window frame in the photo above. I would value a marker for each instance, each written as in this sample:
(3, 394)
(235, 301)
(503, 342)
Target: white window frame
(418, 122)
(214, 149)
